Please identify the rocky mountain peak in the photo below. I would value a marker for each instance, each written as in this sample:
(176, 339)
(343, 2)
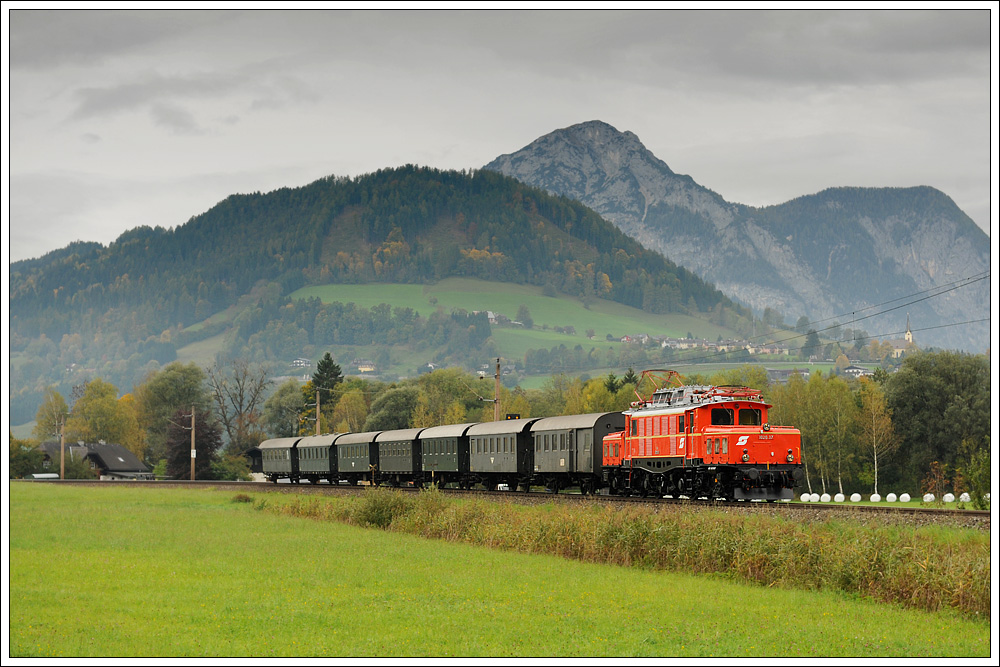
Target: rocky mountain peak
(821, 256)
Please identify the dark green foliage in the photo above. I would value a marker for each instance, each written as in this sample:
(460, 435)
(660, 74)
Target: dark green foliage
(327, 375)
(938, 400)
(25, 459)
(208, 442)
(524, 316)
(162, 393)
(232, 468)
(392, 410)
(812, 346)
(977, 474)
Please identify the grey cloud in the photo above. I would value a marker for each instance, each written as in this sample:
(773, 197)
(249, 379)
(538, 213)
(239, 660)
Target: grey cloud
(741, 49)
(148, 90)
(175, 118)
(53, 37)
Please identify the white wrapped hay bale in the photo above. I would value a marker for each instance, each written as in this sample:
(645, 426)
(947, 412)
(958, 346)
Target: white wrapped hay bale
(965, 498)
(805, 497)
(928, 497)
(891, 498)
(855, 497)
(876, 498)
(814, 498)
(905, 498)
(839, 498)
(825, 498)
(949, 497)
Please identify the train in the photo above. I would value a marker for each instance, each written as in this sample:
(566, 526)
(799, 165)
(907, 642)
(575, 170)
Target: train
(693, 441)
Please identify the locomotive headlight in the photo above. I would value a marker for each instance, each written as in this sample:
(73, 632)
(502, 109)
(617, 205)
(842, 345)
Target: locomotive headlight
(746, 456)
(767, 427)
(789, 458)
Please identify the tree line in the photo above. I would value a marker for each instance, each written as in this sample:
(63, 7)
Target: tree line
(925, 427)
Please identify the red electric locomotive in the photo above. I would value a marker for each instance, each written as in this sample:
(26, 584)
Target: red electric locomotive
(702, 442)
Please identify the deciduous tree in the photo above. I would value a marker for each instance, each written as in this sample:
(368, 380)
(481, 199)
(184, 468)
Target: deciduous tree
(282, 410)
(207, 443)
(162, 393)
(50, 416)
(238, 389)
(875, 424)
(100, 415)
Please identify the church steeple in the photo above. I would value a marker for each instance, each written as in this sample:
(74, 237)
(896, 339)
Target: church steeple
(908, 336)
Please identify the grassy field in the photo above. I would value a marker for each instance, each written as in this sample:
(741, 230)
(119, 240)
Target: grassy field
(129, 572)
(604, 317)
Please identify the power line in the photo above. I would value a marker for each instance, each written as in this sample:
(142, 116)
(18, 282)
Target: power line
(964, 282)
(715, 355)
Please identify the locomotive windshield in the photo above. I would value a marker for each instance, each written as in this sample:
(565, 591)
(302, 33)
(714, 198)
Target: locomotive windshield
(749, 417)
(722, 416)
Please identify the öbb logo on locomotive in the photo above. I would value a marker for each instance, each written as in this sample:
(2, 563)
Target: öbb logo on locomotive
(694, 441)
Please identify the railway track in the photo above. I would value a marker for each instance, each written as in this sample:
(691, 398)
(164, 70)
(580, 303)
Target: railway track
(978, 519)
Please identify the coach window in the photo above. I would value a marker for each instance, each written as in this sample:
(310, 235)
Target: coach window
(680, 424)
(749, 417)
(725, 445)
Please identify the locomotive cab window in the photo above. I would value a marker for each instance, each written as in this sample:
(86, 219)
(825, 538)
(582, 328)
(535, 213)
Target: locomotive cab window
(722, 416)
(749, 417)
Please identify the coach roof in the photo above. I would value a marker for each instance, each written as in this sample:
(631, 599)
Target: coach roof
(505, 426)
(279, 443)
(401, 434)
(575, 421)
(324, 440)
(356, 438)
(446, 431)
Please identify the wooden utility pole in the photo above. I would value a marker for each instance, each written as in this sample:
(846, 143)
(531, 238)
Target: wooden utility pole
(193, 453)
(62, 448)
(496, 394)
(317, 409)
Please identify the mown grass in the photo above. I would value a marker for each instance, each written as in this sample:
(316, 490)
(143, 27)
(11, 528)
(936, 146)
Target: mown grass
(119, 571)
(927, 568)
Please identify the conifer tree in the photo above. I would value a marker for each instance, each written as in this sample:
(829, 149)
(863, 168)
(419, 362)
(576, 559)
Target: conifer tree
(327, 375)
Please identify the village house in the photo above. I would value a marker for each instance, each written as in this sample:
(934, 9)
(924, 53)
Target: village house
(110, 461)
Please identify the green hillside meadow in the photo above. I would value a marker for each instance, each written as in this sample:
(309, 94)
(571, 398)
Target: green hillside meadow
(139, 572)
(604, 317)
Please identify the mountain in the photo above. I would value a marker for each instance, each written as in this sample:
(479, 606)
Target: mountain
(123, 309)
(841, 255)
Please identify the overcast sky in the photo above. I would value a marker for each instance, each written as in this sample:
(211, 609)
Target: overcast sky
(125, 118)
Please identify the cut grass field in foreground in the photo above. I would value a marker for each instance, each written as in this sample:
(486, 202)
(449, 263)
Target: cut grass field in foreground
(119, 571)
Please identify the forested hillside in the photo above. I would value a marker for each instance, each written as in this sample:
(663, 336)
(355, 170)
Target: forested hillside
(118, 311)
